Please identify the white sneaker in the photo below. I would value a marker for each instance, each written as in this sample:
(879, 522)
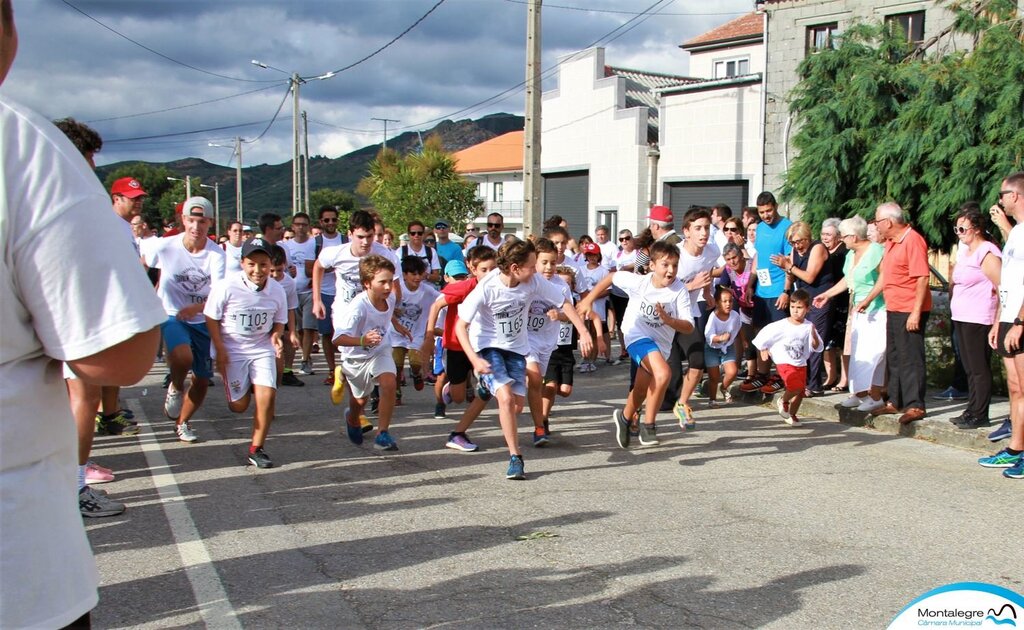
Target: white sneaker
(185, 433)
(306, 368)
(870, 405)
(793, 421)
(172, 403)
(853, 401)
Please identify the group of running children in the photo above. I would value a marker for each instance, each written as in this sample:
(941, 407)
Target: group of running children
(508, 321)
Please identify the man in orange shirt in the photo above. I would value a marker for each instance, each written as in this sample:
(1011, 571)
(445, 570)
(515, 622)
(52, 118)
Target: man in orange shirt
(908, 301)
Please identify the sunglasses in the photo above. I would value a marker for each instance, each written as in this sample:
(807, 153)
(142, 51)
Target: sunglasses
(731, 229)
(328, 220)
(496, 225)
(623, 239)
(416, 233)
(961, 230)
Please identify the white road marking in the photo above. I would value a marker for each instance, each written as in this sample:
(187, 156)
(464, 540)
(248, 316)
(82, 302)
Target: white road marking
(214, 606)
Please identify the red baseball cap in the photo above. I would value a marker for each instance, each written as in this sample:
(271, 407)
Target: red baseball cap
(591, 248)
(660, 213)
(128, 187)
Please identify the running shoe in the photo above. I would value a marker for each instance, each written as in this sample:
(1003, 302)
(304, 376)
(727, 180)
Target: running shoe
(793, 421)
(94, 505)
(337, 386)
(97, 474)
(374, 403)
(773, 385)
(783, 407)
(446, 394)
(1001, 433)
(648, 434)
(288, 379)
(365, 425)
(726, 397)
(115, 425)
(260, 459)
(753, 384)
(385, 442)
(540, 437)
(172, 402)
(1015, 472)
(853, 401)
(1002, 459)
(185, 433)
(355, 432)
(128, 414)
(684, 414)
(417, 382)
(440, 410)
(460, 442)
(870, 404)
(306, 368)
(515, 468)
(621, 428)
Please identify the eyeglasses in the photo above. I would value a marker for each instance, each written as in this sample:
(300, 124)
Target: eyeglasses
(731, 229)
(623, 239)
(961, 229)
(496, 225)
(296, 224)
(472, 229)
(848, 236)
(416, 233)
(797, 241)
(328, 220)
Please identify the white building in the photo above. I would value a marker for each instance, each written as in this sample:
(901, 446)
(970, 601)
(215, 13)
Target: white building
(496, 166)
(711, 141)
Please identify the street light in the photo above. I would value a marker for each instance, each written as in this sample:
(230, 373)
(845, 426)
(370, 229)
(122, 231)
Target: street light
(238, 175)
(295, 81)
(216, 205)
(188, 184)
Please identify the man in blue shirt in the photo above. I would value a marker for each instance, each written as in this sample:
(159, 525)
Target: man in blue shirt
(771, 297)
(447, 249)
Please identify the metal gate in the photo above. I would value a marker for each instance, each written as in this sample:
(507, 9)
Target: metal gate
(681, 195)
(567, 194)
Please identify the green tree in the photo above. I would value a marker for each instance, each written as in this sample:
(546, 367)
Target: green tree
(877, 120)
(343, 200)
(164, 194)
(423, 186)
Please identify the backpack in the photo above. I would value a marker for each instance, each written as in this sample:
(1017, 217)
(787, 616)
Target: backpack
(429, 256)
(319, 244)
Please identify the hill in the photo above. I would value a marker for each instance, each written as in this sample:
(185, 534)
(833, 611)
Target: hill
(267, 187)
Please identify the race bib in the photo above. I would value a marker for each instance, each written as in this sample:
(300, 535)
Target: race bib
(510, 323)
(564, 334)
(253, 323)
(764, 277)
(538, 317)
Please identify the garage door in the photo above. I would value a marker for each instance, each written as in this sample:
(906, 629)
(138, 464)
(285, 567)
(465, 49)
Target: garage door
(566, 194)
(680, 196)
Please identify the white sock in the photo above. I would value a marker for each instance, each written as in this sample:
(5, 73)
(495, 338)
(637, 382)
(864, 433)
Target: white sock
(81, 477)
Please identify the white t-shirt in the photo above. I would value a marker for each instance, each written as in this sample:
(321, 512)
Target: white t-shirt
(186, 278)
(623, 259)
(431, 260)
(232, 258)
(716, 326)
(485, 240)
(53, 211)
(299, 253)
(545, 333)
(497, 313)
(690, 266)
(641, 320)
(327, 284)
(590, 278)
(414, 309)
(358, 317)
(788, 343)
(609, 251)
(347, 284)
(247, 316)
(146, 248)
(570, 261)
(290, 294)
(1011, 282)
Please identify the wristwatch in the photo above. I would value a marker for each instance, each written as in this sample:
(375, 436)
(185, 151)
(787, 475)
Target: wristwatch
(1018, 321)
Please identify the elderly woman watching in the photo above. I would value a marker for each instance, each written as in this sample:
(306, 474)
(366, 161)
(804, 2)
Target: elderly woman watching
(837, 359)
(867, 339)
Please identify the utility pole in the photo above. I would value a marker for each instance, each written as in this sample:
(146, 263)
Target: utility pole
(532, 219)
(238, 180)
(305, 156)
(188, 184)
(386, 121)
(296, 166)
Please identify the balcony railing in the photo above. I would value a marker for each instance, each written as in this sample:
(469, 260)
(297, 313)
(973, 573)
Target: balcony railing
(508, 209)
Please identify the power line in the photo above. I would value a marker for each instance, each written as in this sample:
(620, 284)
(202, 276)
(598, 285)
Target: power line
(382, 48)
(185, 133)
(271, 123)
(618, 12)
(349, 129)
(171, 109)
(160, 54)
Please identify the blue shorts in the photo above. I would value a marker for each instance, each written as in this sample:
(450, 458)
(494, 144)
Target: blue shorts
(326, 325)
(640, 348)
(713, 357)
(178, 333)
(507, 368)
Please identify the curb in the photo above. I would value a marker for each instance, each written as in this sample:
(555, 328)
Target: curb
(936, 427)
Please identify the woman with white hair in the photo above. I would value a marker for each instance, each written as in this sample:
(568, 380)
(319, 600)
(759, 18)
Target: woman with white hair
(867, 341)
(836, 355)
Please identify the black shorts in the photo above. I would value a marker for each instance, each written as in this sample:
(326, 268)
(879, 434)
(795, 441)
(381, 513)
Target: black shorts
(458, 367)
(560, 367)
(618, 304)
(1004, 327)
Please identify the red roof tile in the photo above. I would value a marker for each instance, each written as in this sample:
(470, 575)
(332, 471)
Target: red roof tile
(499, 154)
(749, 25)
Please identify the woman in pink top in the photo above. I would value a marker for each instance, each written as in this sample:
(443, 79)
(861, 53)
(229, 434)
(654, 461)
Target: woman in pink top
(972, 304)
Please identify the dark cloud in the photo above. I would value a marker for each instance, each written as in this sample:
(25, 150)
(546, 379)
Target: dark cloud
(465, 52)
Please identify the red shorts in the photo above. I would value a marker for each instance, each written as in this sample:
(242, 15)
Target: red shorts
(793, 376)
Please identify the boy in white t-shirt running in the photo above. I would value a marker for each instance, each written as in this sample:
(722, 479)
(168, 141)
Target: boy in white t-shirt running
(246, 315)
(497, 343)
(789, 343)
(659, 307)
(417, 298)
(558, 380)
(591, 273)
(361, 328)
(720, 334)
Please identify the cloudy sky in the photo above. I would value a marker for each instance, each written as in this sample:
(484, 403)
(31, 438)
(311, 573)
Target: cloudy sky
(464, 60)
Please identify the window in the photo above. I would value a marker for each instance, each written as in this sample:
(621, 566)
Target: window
(911, 23)
(610, 219)
(732, 68)
(499, 192)
(821, 36)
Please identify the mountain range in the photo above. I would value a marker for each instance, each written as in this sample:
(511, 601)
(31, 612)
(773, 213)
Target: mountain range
(267, 187)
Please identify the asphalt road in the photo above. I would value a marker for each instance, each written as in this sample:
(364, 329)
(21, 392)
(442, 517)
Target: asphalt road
(744, 523)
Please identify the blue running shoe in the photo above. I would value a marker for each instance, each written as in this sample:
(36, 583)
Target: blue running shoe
(1002, 459)
(1001, 433)
(540, 437)
(385, 442)
(515, 468)
(355, 433)
(1015, 472)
